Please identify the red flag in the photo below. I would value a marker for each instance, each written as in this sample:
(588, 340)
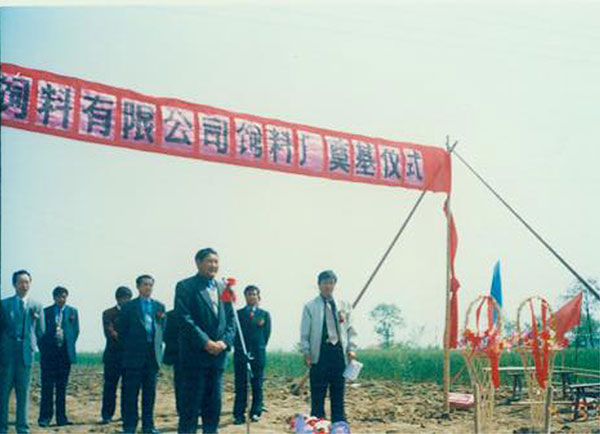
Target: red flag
(568, 316)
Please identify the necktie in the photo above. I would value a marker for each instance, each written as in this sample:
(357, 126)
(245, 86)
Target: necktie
(212, 292)
(332, 335)
(20, 320)
(251, 313)
(147, 319)
(60, 336)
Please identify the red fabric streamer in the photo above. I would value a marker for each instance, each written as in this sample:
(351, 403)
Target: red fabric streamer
(540, 361)
(489, 343)
(454, 283)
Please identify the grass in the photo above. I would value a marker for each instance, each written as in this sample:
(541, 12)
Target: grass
(400, 363)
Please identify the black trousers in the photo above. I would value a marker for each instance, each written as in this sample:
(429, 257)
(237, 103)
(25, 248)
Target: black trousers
(134, 379)
(241, 386)
(55, 369)
(328, 373)
(113, 371)
(200, 393)
(177, 387)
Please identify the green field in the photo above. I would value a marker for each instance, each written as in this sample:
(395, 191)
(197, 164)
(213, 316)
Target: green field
(402, 364)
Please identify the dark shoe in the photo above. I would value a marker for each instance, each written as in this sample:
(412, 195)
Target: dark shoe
(239, 421)
(105, 421)
(44, 423)
(255, 418)
(64, 422)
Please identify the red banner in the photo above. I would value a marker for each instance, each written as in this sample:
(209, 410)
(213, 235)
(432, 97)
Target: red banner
(48, 103)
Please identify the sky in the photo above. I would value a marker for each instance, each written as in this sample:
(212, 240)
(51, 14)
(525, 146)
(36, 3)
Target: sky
(515, 83)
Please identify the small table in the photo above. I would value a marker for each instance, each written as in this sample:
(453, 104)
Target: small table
(582, 391)
(517, 372)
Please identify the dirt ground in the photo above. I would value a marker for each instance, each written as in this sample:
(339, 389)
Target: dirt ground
(371, 406)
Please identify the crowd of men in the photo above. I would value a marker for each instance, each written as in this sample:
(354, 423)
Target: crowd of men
(197, 334)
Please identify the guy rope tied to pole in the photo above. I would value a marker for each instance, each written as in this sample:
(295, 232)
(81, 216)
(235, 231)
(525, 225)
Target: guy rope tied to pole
(529, 228)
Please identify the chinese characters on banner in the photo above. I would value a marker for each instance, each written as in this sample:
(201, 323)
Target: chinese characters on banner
(53, 104)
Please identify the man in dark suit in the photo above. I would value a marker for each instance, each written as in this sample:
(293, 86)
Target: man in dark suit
(255, 324)
(57, 353)
(206, 333)
(140, 327)
(113, 370)
(22, 327)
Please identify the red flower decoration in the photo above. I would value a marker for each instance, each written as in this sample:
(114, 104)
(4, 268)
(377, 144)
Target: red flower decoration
(228, 296)
(160, 314)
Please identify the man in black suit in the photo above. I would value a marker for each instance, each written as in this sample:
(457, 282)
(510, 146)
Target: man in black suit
(57, 353)
(255, 324)
(140, 327)
(112, 356)
(206, 332)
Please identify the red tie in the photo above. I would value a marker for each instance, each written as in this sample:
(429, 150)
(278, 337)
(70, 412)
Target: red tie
(251, 313)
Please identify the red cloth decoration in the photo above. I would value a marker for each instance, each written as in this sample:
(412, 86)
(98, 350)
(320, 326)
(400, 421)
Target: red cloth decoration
(228, 296)
(454, 283)
(568, 316)
(488, 342)
(541, 359)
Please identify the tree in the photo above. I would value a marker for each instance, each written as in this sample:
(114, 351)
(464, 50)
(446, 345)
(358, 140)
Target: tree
(388, 319)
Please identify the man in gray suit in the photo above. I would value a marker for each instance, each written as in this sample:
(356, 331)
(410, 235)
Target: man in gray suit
(327, 341)
(57, 353)
(140, 327)
(22, 326)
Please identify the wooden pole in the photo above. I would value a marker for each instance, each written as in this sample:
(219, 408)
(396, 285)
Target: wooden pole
(547, 407)
(476, 407)
(446, 363)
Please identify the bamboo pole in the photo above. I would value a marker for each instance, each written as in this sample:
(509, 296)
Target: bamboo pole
(477, 414)
(547, 413)
(446, 363)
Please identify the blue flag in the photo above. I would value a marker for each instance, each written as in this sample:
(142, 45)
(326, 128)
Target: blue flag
(496, 290)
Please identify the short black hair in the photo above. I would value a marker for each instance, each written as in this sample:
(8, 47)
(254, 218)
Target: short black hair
(123, 292)
(203, 253)
(326, 275)
(249, 288)
(18, 273)
(59, 290)
(138, 280)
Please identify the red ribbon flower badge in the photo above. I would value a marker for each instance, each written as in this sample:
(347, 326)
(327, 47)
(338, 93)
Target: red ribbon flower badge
(228, 296)
(160, 315)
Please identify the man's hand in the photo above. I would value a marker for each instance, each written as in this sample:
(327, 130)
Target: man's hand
(351, 355)
(307, 360)
(222, 345)
(213, 348)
